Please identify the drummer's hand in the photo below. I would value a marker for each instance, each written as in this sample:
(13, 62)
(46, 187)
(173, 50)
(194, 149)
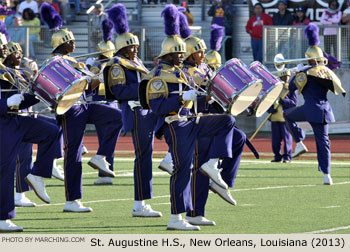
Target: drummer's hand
(15, 100)
(300, 67)
(190, 95)
(90, 62)
(32, 65)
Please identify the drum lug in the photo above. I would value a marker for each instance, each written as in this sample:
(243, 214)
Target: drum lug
(58, 96)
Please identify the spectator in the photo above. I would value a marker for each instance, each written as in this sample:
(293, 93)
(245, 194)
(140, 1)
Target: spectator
(28, 4)
(346, 21)
(188, 14)
(331, 16)
(217, 12)
(300, 17)
(64, 8)
(17, 33)
(5, 8)
(255, 28)
(29, 19)
(283, 16)
(96, 21)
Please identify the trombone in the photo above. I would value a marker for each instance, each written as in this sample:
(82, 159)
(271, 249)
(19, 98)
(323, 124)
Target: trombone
(280, 62)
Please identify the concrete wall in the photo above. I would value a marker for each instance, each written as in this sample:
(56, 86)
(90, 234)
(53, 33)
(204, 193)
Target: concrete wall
(340, 106)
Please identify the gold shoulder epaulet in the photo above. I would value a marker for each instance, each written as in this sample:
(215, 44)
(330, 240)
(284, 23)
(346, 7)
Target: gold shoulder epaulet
(116, 75)
(131, 65)
(156, 88)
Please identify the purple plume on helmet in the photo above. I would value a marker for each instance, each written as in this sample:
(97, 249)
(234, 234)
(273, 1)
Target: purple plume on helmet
(185, 31)
(107, 30)
(171, 20)
(216, 35)
(4, 31)
(311, 33)
(50, 17)
(117, 14)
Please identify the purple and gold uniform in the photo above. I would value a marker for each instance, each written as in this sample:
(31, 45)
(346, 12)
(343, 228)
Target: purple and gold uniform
(14, 130)
(73, 123)
(124, 76)
(164, 85)
(314, 83)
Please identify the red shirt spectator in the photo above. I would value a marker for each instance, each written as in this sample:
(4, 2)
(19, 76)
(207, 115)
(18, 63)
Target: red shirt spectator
(255, 25)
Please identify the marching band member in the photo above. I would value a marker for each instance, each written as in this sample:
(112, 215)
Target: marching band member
(24, 157)
(14, 130)
(96, 67)
(124, 73)
(167, 92)
(200, 183)
(76, 118)
(279, 129)
(314, 82)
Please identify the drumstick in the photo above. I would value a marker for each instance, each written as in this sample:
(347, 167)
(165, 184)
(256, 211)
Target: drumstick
(267, 118)
(22, 93)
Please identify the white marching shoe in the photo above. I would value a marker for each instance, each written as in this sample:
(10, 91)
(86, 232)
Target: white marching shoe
(76, 206)
(57, 173)
(225, 194)
(181, 225)
(38, 185)
(7, 226)
(146, 211)
(166, 166)
(210, 169)
(327, 179)
(300, 148)
(24, 202)
(99, 162)
(200, 221)
(84, 150)
(103, 181)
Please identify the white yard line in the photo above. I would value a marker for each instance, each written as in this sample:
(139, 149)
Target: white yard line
(326, 207)
(167, 196)
(327, 230)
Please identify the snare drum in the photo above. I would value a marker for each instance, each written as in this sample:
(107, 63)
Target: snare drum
(234, 86)
(272, 88)
(58, 84)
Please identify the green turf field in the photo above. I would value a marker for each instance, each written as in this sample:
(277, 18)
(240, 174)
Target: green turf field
(272, 198)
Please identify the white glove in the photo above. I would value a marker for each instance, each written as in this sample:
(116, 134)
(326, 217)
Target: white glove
(32, 65)
(90, 61)
(190, 95)
(300, 67)
(15, 100)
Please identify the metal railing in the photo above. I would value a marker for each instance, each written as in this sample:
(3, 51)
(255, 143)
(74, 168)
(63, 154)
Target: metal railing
(292, 43)
(40, 47)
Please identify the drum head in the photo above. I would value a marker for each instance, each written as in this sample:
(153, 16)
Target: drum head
(269, 98)
(70, 96)
(245, 97)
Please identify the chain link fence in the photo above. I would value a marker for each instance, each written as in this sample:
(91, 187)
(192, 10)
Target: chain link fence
(292, 43)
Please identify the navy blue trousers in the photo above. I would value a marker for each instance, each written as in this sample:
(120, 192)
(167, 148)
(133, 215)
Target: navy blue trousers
(200, 182)
(279, 133)
(321, 136)
(143, 138)
(24, 157)
(73, 123)
(14, 131)
(181, 139)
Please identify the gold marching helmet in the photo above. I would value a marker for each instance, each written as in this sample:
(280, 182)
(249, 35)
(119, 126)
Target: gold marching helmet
(313, 52)
(13, 47)
(193, 45)
(172, 44)
(60, 37)
(213, 59)
(126, 39)
(117, 14)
